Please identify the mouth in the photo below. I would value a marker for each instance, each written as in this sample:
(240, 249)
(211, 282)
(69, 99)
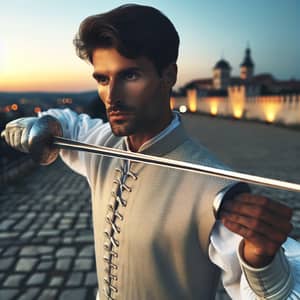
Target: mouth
(120, 115)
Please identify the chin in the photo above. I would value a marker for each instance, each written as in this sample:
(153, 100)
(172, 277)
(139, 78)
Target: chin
(122, 129)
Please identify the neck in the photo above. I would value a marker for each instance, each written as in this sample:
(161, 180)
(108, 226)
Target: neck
(138, 139)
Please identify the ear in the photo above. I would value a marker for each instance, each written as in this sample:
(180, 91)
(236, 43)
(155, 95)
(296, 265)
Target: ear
(169, 75)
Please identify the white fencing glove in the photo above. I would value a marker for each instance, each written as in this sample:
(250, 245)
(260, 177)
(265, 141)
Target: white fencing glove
(16, 133)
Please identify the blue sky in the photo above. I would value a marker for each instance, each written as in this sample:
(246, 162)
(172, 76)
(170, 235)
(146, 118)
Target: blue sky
(36, 51)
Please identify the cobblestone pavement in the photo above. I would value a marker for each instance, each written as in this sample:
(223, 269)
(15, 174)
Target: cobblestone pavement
(46, 241)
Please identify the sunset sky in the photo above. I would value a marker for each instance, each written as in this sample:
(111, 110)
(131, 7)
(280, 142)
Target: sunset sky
(36, 51)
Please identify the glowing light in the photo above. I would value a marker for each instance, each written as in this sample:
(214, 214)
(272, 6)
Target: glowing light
(238, 112)
(182, 109)
(172, 103)
(214, 108)
(14, 107)
(37, 109)
(237, 96)
(271, 106)
(192, 100)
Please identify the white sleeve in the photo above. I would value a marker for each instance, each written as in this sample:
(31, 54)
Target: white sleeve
(76, 127)
(280, 279)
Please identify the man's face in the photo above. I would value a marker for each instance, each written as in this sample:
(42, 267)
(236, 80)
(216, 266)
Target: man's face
(135, 96)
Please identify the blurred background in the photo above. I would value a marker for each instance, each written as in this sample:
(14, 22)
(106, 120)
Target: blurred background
(238, 91)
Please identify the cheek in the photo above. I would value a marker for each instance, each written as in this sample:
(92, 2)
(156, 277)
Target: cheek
(142, 92)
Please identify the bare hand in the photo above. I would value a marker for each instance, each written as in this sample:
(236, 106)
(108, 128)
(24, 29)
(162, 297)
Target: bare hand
(264, 224)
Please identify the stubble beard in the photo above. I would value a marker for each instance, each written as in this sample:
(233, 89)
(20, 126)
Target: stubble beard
(124, 128)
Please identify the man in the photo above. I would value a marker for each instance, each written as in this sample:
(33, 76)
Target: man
(155, 233)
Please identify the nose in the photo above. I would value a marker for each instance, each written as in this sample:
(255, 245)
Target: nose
(113, 92)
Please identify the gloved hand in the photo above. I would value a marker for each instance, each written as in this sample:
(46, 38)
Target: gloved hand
(16, 133)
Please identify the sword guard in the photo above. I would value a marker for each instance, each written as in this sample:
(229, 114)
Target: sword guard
(41, 138)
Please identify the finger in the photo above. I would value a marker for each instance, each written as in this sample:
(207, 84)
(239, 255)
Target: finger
(257, 212)
(270, 232)
(262, 245)
(17, 139)
(265, 202)
(24, 140)
(9, 137)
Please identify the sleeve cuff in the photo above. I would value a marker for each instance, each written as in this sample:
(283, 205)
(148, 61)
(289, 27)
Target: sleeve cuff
(274, 281)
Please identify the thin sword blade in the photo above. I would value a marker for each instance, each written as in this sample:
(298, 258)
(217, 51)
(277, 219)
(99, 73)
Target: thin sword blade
(65, 143)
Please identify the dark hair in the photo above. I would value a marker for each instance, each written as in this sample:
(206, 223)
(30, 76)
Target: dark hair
(134, 30)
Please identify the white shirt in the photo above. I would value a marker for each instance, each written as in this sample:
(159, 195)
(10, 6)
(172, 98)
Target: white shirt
(283, 273)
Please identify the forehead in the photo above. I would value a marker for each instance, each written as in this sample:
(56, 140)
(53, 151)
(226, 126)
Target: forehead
(111, 61)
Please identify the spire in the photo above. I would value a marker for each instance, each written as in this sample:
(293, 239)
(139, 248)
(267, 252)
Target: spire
(247, 60)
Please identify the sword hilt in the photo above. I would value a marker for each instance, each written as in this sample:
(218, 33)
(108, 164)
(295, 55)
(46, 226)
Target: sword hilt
(41, 137)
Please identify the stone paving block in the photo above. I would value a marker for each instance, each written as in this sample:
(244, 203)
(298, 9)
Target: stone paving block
(8, 235)
(45, 266)
(56, 281)
(8, 294)
(47, 257)
(66, 252)
(27, 235)
(30, 294)
(14, 280)
(6, 263)
(23, 224)
(68, 240)
(53, 241)
(84, 239)
(7, 224)
(73, 294)
(31, 215)
(83, 264)
(47, 233)
(11, 251)
(36, 250)
(49, 294)
(63, 264)
(91, 279)
(26, 264)
(87, 251)
(75, 279)
(36, 279)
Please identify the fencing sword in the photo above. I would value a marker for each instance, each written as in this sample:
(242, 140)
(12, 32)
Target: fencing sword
(45, 140)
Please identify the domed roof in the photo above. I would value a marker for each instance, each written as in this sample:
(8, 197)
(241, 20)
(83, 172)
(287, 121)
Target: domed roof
(222, 64)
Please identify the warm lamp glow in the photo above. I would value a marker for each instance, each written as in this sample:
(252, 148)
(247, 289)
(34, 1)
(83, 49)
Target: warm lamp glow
(172, 103)
(271, 106)
(214, 108)
(192, 100)
(37, 109)
(14, 107)
(237, 112)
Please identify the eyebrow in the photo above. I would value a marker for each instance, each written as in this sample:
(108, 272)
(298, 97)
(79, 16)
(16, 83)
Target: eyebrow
(97, 75)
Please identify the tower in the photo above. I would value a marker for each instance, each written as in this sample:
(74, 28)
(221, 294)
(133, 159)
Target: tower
(247, 66)
(221, 75)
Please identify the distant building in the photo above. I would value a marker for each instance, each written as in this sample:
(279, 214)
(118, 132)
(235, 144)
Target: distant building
(222, 81)
(249, 96)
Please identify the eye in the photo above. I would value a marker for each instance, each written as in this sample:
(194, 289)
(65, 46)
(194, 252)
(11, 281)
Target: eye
(130, 76)
(103, 80)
